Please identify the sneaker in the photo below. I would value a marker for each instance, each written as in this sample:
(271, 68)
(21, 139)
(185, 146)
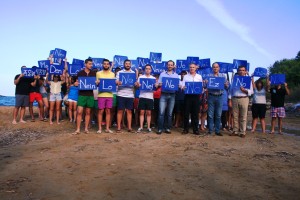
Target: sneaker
(168, 131)
(149, 130)
(139, 130)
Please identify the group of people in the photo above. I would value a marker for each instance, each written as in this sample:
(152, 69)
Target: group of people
(225, 109)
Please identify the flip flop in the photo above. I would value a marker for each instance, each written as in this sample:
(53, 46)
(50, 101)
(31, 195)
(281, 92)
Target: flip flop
(86, 131)
(76, 133)
(119, 131)
(32, 120)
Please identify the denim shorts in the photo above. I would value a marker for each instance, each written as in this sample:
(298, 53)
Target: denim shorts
(55, 97)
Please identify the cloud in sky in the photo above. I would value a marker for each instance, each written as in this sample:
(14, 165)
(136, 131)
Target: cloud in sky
(219, 12)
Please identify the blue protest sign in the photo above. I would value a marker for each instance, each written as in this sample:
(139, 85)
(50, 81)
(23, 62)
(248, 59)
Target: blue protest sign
(205, 73)
(56, 69)
(277, 79)
(28, 72)
(260, 72)
(147, 84)
(74, 69)
(241, 81)
(223, 67)
(143, 61)
(181, 65)
(155, 57)
(237, 63)
(193, 88)
(44, 64)
(248, 67)
(170, 84)
(127, 79)
(97, 63)
(107, 85)
(59, 53)
(119, 60)
(41, 71)
(78, 62)
(57, 61)
(191, 59)
(51, 52)
(134, 65)
(158, 68)
(230, 67)
(204, 63)
(87, 83)
(216, 83)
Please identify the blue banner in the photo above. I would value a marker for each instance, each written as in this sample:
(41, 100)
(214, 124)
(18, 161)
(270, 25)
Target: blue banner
(216, 83)
(134, 65)
(204, 63)
(78, 62)
(74, 69)
(87, 83)
(241, 81)
(155, 57)
(28, 72)
(170, 84)
(158, 68)
(205, 73)
(237, 63)
(44, 64)
(59, 53)
(147, 84)
(51, 52)
(97, 63)
(119, 60)
(191, 59)
(41, 72)
(230, 67)
(248, 67)
(193, 88)
(127, 79)
(107, 85)
(260, 72)
(277, 79)
(143, 61)
(56, 69)
(223, 67)
(181, 65)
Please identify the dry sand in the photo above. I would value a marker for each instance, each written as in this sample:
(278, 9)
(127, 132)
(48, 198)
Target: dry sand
(39, 161)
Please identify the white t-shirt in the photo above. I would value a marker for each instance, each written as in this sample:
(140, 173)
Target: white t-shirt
(259, 97)
(55, 87)
(125, 91)
(143, 93)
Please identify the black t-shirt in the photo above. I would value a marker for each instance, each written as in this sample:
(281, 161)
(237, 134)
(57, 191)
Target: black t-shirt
(277, 97)
(36, 88)
(90, 74)
(23, 87)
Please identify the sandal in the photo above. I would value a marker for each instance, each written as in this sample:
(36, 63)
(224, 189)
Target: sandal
(99, 132)
(108, 131)
(119, 131)
(76, 133)
(86, 131)
(129, 130)
(32, 120)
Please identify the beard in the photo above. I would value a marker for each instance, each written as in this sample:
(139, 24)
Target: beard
(105, 68)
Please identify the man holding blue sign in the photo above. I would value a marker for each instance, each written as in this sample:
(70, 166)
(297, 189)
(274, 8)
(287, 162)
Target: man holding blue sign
(105, 99)
(125, 81)
(85, 98)
(215, 86)
(146, 83)
(239, 101)
(167, 99)
(191, 100)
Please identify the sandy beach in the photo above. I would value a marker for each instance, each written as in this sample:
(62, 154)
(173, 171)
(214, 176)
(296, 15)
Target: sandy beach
(39, 161)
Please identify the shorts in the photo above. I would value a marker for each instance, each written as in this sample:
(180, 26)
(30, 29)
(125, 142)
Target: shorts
(136, 103)
(125, 103)
(105, 102)
(277, 112)
(22, 100)
(146, 104)
(71, 100)
(259, 110)
(115, 100)
(55, 97)
(179, 107)
(44, 95)
(34, 96)
(85, 101)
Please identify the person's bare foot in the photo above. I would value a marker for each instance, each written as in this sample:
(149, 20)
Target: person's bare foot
(14, 122)
(51, 122)
(252, 131)
(86, 131)
(22, 121)
(76, 132)
(58, 122)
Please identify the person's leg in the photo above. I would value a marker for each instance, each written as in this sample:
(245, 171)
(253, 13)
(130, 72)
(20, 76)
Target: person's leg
(162, 108)
(22, 113)
(52, 104)
(280, 125)
(46, 107)
(210, 113)
(194, 108)
(142, 117)
(107, 118)
(41, 108)
(31, 111)
(74, 111)
(15, 115)
(100, 115)
(78, 118)
(58, 110)
(218, 113)
(186, 114)
(254, 123)
(119, 118)
(244, 102)
(223, 119)
(273, 124)
(71, 111)
(171, 103)
(148, 114)
(87, 119)
(263, 125)
(235, 112)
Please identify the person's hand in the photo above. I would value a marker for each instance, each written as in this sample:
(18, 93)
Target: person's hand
(137, 84)
(97, 82)
(285, 84)
(160, 84)
(226, 84)
(38, 76)
(21, 75)
(156, 85)
(118, 82)
(243, 90)
(76, 83)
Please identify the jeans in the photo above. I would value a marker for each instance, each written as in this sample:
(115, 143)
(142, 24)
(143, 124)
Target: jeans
(214, 112)
(192, 106)
(167, 100)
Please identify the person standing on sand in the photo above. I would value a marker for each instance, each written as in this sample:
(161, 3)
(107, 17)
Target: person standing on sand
(105, 99)
(85, 98)
(277, 104)
(239, 101)
(21, 96)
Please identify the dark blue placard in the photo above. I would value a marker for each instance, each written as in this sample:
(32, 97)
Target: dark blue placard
(143, 61)
(158, 68)
(119, 60)
(230, 67)
(237, 63)
(170, 84)
(134, 65)
(41, 72)
(107, 85)
(260, 72)
(205, 73)
(78, 62)
(74, 69)
(193, 88)
(87, 83)
(216, 83)
(241, 81)
(57, 61)
(248, 67)
(51, 52)
(204, 63)
(223, 67)
(28, 72)
(127, 79)
(97, 63)
(44, 64)
(277, 79)
(191, 59)
(147, 84)
(181, 65)
(155, 57)
(59, 53)
(56, 69)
